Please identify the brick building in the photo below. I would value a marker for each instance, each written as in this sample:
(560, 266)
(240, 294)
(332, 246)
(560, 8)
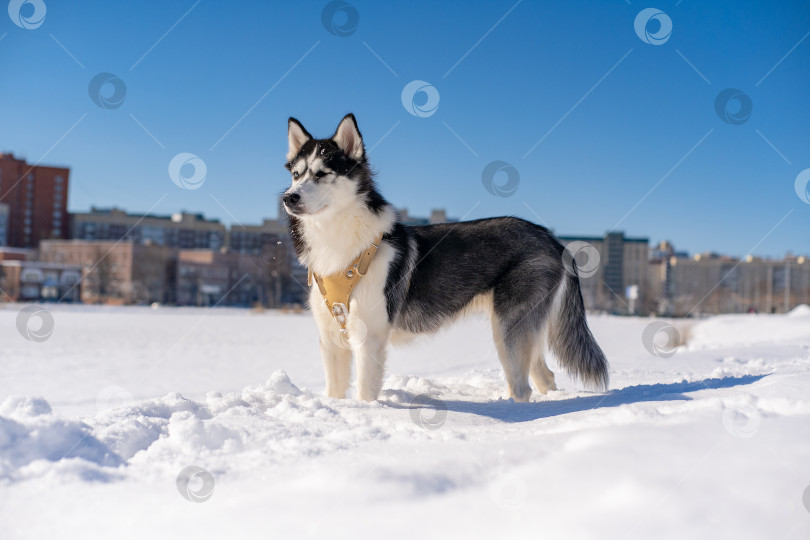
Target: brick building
(207, 278)
(117, 272)
(36, 196)
(4, 216)
(35, 281)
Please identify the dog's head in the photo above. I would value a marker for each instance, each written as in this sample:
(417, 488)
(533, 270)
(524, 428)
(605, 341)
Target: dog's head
(328, 175)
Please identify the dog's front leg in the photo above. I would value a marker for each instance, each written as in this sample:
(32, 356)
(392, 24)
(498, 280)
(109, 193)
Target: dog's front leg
(337, 365)
(370, 356)
(335, 354)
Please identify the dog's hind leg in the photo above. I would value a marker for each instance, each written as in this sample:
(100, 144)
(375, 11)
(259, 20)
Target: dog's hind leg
(515, 356)
(542, 376)
(337, 364)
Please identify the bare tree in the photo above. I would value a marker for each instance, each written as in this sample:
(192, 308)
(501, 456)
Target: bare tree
(103, 275)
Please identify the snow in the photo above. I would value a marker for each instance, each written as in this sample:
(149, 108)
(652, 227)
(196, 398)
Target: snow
(98, 421)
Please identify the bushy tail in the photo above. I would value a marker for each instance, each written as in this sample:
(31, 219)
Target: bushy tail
(570, 339)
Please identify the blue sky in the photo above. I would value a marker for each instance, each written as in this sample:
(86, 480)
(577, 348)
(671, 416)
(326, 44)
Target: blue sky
(628, 133)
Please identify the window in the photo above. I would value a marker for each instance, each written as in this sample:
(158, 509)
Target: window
(59, 180)
(57, 214)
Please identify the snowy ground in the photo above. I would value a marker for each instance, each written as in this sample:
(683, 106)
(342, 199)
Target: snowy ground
(98, 421)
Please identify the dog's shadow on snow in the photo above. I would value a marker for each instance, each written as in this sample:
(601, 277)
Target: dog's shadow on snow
(509, 411)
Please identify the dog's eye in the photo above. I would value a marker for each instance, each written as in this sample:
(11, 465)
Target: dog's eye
(319, 174)
(295, 175)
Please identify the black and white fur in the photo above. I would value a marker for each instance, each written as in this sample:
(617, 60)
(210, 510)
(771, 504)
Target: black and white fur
(425, 277)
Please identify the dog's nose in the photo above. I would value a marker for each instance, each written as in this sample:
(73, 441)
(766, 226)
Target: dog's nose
(292, 199)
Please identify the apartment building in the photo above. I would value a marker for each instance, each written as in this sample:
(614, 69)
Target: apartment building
(36, 196)
(711, 283)
(180, 230)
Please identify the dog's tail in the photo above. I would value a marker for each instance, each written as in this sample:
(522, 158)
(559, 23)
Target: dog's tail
(570, 339)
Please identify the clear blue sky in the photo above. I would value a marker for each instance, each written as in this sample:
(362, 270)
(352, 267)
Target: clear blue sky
(646, 107)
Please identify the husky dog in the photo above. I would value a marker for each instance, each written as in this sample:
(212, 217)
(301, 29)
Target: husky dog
(422, 278)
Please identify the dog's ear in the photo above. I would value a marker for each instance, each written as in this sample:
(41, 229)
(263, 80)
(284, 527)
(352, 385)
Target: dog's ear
(296, 136)
(348, 138)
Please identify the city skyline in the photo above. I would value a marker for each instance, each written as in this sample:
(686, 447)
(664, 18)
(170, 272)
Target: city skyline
(276, 217)
(638, 134)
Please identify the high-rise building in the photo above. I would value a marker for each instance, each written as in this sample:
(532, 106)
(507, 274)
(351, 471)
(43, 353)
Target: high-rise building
(37, 199)
(4, 215)
(622, 264)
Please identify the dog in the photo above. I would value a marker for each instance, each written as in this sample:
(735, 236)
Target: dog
(404, 280)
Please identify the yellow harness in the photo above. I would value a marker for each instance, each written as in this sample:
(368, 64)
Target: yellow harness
(336, 289)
